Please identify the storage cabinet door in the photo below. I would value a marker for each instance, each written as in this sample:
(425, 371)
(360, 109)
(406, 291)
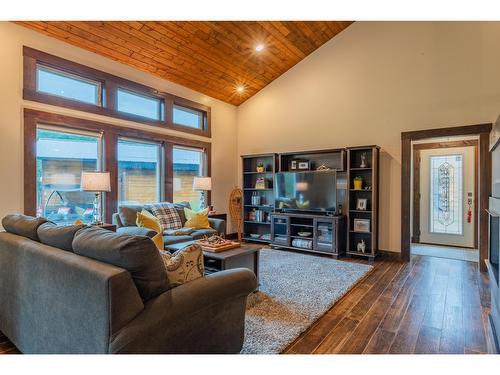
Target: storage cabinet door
(280, 230)
(325, 235)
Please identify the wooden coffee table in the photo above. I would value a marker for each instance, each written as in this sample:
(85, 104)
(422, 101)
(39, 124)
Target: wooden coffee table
(246, 256)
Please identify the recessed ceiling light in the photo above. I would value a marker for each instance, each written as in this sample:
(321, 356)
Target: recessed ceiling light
(240, 89)
(259, 47)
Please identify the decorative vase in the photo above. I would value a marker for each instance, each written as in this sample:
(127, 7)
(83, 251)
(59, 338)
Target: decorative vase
(358, 184)
(260, 169)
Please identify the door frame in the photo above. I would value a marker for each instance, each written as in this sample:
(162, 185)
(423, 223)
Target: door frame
(416, 181)
(481, 130)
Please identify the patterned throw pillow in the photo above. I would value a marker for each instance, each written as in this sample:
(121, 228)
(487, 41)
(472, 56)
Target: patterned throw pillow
(184, 265)
(167, 215)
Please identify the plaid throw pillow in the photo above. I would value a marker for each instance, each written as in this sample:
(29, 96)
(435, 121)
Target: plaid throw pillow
(167, 216)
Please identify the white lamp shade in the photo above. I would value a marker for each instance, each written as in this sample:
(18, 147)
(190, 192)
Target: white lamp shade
(202, 183)
(95, 181)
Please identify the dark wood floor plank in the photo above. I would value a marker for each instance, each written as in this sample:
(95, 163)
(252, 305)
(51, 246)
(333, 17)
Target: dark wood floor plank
(309, 341)
(362, 307)
(363, 333)
(428, 340)
(475, 337)
(380, 342)
(407, 334)
(337, 337)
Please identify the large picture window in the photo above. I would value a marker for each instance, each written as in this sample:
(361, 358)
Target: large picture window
(187, 164)
(61, 157)
(139, 165)
(144, 167)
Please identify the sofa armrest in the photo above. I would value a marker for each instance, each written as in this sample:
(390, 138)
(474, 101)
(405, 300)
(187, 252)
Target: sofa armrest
(206, 315)
(136, 231)
(116, 220)
(218, 224)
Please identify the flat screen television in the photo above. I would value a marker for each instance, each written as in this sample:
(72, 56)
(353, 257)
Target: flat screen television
(306, 191)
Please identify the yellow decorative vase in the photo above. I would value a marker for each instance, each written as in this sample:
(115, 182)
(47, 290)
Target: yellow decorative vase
(358, 184)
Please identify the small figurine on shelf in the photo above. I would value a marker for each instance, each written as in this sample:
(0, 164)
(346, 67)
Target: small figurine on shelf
(363, 161)
(260, 183)
(358, 183)
(361, 246)
(260, 168)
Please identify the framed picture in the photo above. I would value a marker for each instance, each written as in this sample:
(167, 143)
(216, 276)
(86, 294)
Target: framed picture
(362, 225)
(361, 204)
(293, 165)
(303, 165)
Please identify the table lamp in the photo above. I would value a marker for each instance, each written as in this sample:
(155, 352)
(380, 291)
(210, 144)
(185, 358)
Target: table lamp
(96, 182)
(202, 184)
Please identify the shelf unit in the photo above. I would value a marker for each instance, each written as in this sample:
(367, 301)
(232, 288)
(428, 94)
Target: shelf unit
(370, 177)
(323, 234)
(261, 227)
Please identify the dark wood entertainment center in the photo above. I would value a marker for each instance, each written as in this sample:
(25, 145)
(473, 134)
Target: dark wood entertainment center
(324, 232)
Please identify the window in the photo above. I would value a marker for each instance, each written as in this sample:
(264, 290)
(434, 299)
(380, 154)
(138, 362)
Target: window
(54, 82)
(61, 157)
(446, 192)
(187, 163)
(49, 79)
(138, 171)
(188, 117)
(140, 105)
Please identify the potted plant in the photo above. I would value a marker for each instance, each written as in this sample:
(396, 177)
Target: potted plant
(260, 167)
(358, 183)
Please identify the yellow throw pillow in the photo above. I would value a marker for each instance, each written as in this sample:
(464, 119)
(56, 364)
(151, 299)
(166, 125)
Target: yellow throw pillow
(196, 219)
(146, 219)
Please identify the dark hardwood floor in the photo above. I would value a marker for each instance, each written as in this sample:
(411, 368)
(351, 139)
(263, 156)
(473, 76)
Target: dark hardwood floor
(430, 305)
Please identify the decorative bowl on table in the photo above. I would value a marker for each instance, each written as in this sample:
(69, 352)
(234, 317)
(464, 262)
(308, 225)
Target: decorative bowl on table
(304, 234)
(254, 235)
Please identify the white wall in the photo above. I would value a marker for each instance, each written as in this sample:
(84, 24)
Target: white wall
(369, 84)
(12, 39)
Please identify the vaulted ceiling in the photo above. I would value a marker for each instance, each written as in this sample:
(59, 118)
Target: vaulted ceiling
(219, 59)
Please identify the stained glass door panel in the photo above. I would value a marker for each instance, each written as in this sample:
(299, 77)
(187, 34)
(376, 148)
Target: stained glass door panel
(446, 203)
(447, 188)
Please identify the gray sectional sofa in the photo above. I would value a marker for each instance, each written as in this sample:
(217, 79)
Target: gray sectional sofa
(88, 290)
(125, 221)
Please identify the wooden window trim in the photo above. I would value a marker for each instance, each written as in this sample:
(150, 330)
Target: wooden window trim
(110, 83)
(111, 134)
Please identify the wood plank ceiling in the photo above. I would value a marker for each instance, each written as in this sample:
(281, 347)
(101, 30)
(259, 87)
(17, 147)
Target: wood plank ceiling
(218, 59)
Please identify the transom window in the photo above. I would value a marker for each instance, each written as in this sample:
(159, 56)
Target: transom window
(50, 78)
(138, 104)
(188, 117)
(65, 85)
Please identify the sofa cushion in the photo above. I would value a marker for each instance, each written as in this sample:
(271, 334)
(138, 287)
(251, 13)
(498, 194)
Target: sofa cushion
(179, 206)
(136, 254)
(167, 215)
(184, 265)
(57, 235)
(200, 233)
(197, 219)
(23, 225)
(128, 214)
(146, 219)
(185, 231)
(169, 240)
